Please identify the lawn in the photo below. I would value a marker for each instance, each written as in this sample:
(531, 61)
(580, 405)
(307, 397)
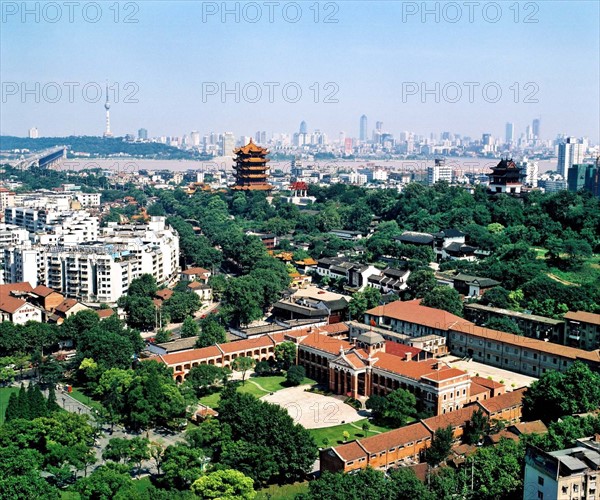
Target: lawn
(276, 492)
(78, 394)
(251, 386)
(335, 434)
(5, 393)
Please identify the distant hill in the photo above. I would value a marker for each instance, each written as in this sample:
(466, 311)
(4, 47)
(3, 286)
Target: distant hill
(99, 146)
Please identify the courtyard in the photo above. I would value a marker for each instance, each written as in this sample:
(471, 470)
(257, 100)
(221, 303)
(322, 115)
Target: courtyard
(312, 410)
(511, 380)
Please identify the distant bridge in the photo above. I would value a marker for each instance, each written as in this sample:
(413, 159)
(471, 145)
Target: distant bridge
(48, 158)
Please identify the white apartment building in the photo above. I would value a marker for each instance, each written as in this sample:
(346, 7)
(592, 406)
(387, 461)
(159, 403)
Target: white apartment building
(99, 270)
(88, 199)
(7, 198)
(52, 227)
(439, 171)
(532, 171)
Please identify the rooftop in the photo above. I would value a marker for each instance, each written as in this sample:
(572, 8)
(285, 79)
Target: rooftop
(583, 317)
(413, 312)
(516, 314)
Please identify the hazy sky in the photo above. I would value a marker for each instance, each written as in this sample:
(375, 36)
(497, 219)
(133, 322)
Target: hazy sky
(376, 59)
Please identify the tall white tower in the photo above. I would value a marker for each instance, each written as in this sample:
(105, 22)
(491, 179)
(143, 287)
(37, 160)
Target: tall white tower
(107, 132)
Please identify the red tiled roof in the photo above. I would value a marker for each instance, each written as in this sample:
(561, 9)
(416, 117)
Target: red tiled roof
(195, 270)
(444, 374)
(535, 427)
(355, 361)
(195, 284)
(246, 344)
(584, 317)
(413, 312)
(66, 305)
(486, 382)
(104, 313)
(477, 389)
(10, 304)
(350, 451)
(192, 355)
(391, 439)
(456, 418)
(325, 343)
(410, 369)
(401, 350)
(335, 328)
(164, 294)
(15, 287)
(43, 291)
(504, 401)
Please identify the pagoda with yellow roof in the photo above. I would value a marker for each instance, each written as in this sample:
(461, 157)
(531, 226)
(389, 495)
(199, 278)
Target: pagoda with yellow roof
(251, 170)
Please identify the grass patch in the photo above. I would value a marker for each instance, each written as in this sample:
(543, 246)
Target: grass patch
(267, 386)
(286, 491)
(587, 274)
(78, 394)
(335, 434)
(5, 393)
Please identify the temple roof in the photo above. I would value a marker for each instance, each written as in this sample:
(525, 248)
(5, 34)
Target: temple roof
(251, 148)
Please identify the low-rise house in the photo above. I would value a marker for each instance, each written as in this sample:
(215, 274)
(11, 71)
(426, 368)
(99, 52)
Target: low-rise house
(14, 306)
(195, 274)
(202, 290)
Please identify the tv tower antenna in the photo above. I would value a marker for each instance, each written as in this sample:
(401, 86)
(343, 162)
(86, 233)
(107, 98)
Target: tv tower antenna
(107, 132)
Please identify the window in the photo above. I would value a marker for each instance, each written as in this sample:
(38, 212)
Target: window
(540, 480)
(540, 495)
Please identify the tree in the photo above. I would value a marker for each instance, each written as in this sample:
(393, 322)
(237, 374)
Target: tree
(366, 427)
(497, 470)
(212, 332)
(445, 298)
(224, 484)
(477, 427)
(162, 336)
(263, 369)
(189, 328)
(362, 301)
(202, 378)
(377, 404)
(295, 375)
(144, 286)
(182, 305)
(400, 405)
(243, 364)
(51, 371)
(556, 394)
(421, 282)
(182, 465)
(243, 296)
(407, 486)
(12, 408)
(497, 297)
(117, 450)
(107, 482)
(504, 324)
(441, 444)
(285, 355)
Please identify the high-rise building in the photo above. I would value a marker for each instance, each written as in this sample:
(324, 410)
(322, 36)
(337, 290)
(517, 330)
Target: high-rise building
(251, 170)
(143, 134)
(33, 133)
(510, 133)
(569, 152)
(535, 128)
(585, 176)
(379, 126)
(303, 127)
(227, 144)
(363, 128)
(439, 171)
(195, 138)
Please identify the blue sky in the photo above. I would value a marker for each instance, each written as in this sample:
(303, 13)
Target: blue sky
(369, 56)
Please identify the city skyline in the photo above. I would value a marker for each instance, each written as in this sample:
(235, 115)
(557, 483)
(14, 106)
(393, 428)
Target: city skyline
(181, 86)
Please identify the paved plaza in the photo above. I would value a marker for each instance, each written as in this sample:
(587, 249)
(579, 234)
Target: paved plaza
(312, 410)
